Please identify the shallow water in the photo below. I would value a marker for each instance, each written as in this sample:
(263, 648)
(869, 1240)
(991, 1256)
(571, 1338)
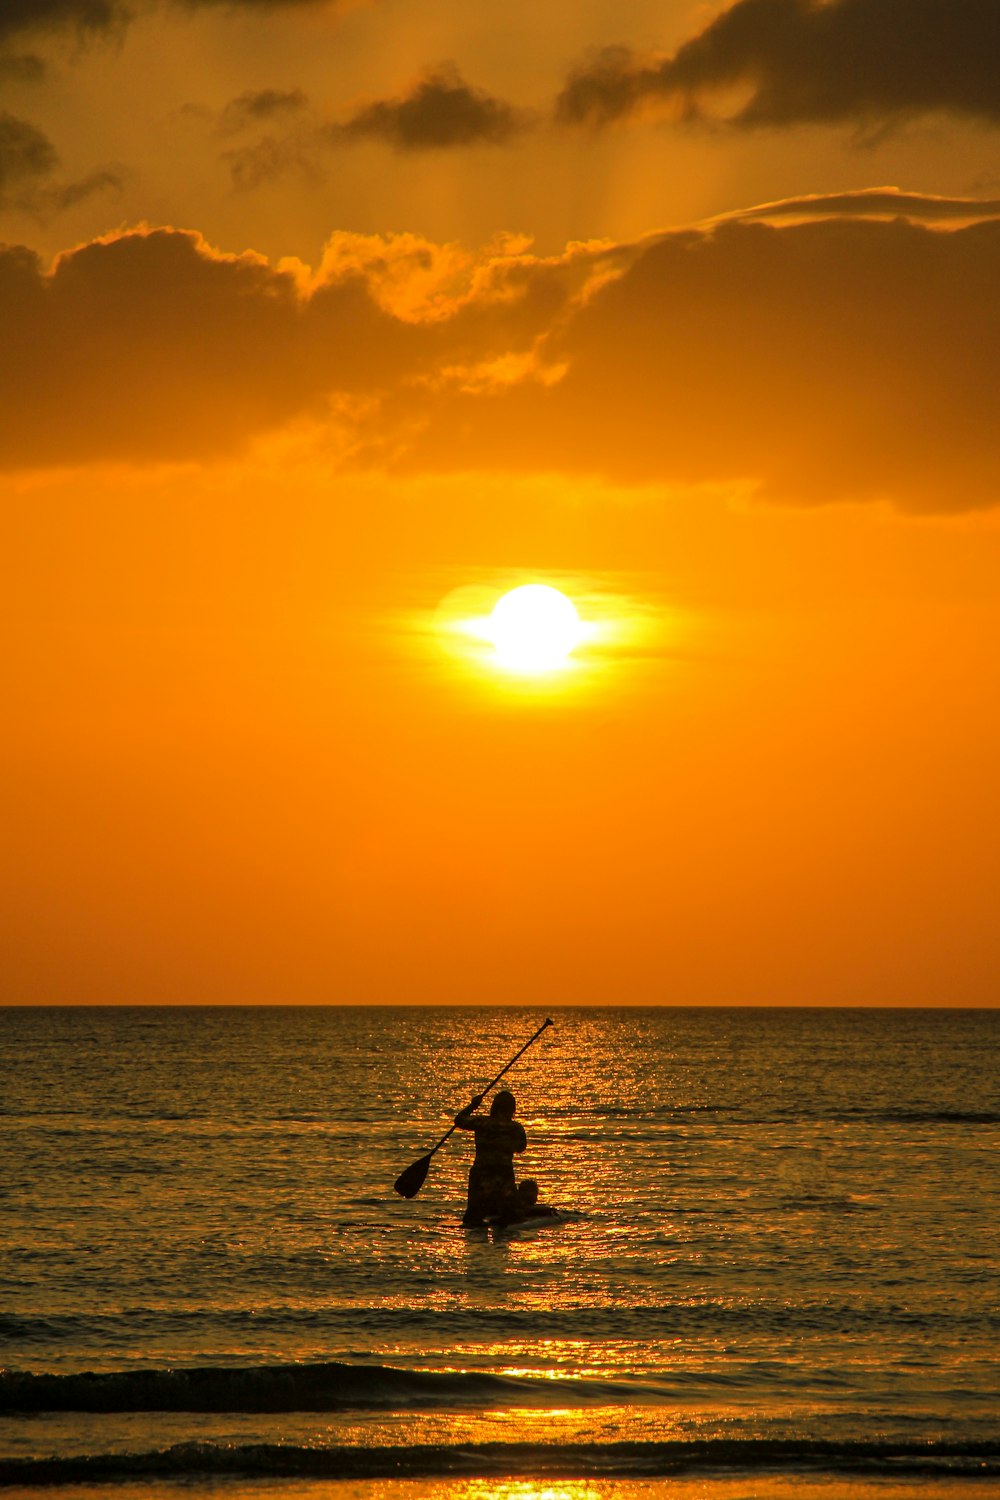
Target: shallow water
(779, 1244)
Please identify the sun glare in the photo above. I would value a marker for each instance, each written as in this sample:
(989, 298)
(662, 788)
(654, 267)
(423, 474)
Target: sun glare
(534, 628)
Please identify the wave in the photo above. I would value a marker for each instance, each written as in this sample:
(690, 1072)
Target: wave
(562, 1461)
(739, 1114)
(888, 1116)
(938, 1116)
(286, 1388)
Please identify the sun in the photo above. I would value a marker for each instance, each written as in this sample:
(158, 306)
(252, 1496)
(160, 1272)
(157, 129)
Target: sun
(534, 628)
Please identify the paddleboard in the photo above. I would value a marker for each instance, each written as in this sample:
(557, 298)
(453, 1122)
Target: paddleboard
(534, 1221)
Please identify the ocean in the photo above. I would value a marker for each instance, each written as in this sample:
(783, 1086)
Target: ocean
(776, 1270)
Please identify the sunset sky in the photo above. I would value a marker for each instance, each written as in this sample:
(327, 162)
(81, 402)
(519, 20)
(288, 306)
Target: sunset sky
(325, 324)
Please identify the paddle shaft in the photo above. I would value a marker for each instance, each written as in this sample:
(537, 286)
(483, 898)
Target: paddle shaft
(496, 1080)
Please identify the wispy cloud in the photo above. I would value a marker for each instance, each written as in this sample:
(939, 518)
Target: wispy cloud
(28, 167)
(876, 203)
(21, 67)
(26, 154)
(258, 107)
(273, 157)
(440, 112)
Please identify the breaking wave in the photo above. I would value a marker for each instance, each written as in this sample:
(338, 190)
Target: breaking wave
(287, 1388)
(517, 1460)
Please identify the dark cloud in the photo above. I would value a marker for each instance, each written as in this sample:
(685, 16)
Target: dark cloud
(613, 83)
(842, 358)
(441, 111)
(96, 17)
(258, 5)
(23, 17)
(809, 61)
(258, 106)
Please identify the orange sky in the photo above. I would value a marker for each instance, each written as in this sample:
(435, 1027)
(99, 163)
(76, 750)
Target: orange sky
(320, 321)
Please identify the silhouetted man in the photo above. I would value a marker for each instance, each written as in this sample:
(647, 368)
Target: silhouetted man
(499, 1137)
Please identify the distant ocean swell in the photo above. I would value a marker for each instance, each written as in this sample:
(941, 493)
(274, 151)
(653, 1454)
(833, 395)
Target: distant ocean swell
(636, 1323)
(518, 1460)
(677, 1113)
(65, 1123)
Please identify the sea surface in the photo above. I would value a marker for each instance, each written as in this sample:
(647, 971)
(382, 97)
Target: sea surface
(776, 1272)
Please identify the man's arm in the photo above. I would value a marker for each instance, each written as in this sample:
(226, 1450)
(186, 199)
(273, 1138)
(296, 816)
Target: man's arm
(463, 1119)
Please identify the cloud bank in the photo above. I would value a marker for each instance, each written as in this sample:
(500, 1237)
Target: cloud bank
(150, 346)
(795, 62)
(839, 358)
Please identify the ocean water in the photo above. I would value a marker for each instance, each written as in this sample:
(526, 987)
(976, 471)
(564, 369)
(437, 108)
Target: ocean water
(777, 1266)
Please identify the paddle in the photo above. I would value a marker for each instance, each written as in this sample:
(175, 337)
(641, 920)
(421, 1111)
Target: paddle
(409, 1183)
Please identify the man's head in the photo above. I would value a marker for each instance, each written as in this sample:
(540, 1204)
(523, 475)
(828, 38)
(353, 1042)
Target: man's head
(527, 1191)
(503, 1105)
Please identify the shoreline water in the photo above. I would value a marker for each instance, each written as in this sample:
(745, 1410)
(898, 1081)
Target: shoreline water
(776, 1486)
(777, 1279)
(540, 1463)
(707, 1485)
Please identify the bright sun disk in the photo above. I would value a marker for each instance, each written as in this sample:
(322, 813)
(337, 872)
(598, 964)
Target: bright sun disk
(534, 628)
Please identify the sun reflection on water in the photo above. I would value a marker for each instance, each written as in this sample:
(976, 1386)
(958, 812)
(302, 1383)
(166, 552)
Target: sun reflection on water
(526, 1489)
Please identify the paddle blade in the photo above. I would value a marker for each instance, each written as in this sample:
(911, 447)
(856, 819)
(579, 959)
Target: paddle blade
(409, 1183)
